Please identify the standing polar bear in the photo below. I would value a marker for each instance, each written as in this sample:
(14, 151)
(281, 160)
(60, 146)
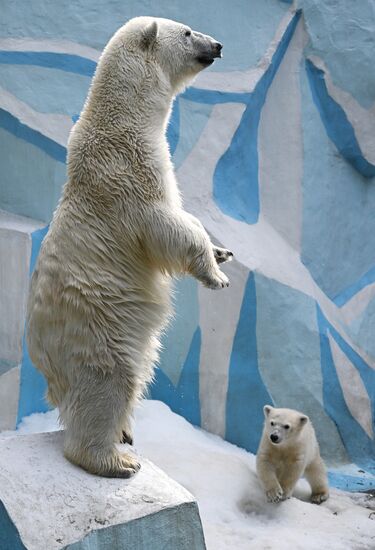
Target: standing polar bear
(100, 293)
(287, 451)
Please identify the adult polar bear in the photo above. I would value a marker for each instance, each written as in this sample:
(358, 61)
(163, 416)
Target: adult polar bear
(100, 293)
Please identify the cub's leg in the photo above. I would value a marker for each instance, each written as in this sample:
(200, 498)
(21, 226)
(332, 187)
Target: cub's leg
(316, 475)
(94, 414)
(292, 472)
(267, 475)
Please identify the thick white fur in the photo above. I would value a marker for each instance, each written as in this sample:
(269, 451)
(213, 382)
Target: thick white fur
(100, 293)
(280, 465)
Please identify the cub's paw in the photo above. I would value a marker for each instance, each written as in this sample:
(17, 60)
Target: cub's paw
(318, 498)
(275, 494)
(216, 281)
(222, 255)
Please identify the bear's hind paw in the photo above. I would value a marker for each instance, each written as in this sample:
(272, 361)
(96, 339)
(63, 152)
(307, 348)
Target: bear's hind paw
(126, 466)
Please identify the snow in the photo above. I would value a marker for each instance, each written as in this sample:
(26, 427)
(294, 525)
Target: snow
(233, 508)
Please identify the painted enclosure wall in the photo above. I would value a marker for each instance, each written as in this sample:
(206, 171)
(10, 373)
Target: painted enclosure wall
(274, 151)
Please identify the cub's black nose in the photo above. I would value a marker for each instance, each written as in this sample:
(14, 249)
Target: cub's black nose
(217, 48)
(274, 438)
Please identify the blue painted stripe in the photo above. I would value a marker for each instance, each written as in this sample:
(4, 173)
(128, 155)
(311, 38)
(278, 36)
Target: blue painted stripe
(173, 130)
(336, 123)
(213, 97)
(13, 125)
(247, 393)
(64, 61)
(236, 185)
(33, 385)
(183, 399)
(359, 446)
(347, 482)
(366, 373)
(344, 296)
(81, 65)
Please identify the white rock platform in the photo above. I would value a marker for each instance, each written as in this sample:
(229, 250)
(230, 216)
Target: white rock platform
(46, 503)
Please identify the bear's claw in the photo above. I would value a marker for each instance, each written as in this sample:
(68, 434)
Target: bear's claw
(126, 438)
(318, 498)
(127, 467)
(275, 495)
(222, 255)
(217, 281)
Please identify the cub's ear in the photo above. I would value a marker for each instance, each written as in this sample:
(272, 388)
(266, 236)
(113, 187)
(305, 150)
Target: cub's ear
(149, 35)
(267, 409)
(303, 419)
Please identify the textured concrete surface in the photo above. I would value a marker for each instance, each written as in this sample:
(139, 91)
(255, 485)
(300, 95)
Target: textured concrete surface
(45, 502)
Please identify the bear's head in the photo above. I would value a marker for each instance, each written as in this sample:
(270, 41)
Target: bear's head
(180, 52)
(283, 425)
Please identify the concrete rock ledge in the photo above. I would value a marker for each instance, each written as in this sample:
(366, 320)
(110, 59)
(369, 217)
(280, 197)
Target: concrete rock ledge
(47, 503)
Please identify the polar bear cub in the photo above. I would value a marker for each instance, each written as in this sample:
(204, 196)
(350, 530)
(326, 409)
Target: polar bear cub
(287, 451)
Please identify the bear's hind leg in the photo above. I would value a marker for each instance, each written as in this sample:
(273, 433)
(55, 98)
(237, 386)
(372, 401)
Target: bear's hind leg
(316, 475)
(94, 414)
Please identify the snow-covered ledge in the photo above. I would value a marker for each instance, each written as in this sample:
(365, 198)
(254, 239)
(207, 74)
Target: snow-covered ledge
(45, 502)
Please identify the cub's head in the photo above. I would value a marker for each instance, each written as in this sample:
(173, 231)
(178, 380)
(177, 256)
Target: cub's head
(283, 425)
(180, 51)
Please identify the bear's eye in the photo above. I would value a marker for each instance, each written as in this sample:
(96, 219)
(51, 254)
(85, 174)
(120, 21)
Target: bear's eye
(287, 426)
(188, 33)
(272, 423)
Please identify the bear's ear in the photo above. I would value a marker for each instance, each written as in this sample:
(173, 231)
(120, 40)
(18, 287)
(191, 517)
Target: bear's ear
(303, 419)
(267, 409)
(149, 35)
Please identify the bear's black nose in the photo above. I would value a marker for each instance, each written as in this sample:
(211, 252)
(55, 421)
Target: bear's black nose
(274, 438)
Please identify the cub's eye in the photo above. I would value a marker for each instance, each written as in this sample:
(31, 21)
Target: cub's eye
(287, 426)
(272, 423)
(188, 33)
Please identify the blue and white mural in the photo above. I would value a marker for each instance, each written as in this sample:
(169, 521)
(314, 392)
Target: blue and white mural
(273, 149)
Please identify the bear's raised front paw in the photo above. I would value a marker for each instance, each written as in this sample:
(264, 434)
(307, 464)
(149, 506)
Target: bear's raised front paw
(222, 255)
(318, 498)
(217, 281)
(275, 494)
